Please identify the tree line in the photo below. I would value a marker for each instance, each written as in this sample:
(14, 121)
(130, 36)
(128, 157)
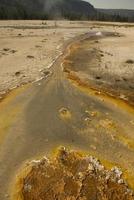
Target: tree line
(20, 12)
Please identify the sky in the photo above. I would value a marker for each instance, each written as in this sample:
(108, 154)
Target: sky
(124, 4)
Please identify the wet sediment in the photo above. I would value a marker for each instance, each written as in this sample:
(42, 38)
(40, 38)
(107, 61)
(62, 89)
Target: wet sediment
(83, 64)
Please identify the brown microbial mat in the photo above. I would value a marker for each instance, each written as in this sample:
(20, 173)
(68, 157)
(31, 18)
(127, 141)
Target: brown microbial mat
(70, 175)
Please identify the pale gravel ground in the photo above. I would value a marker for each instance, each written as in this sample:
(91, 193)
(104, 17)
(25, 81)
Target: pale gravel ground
(30, 39)
(116, 51)
(44, 42)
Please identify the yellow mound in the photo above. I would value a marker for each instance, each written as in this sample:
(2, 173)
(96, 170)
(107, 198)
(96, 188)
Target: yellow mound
(72, 176)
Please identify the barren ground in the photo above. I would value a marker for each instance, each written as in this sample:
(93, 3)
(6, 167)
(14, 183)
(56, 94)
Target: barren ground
(28, 49)
(82, 99)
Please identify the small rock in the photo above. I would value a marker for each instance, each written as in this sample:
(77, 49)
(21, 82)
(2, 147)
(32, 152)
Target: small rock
(120, 181)
(99, 33)
(96, 41)
(122, 96)
(81, 175)
(27, 188)
(38, 46)
(93, 147)
(117, 171)
(6, 49)
(130, 61)
(93, 114)
(46, 72)
(91, 168)
(29, 56)
(17, 73)
(98, 77)
(87, 119)
(13, 51)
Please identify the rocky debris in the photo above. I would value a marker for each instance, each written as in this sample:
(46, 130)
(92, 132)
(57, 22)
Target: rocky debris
(130, 61)
(29, 56)
(71, 176)
(93, 147)
(6, 49)
(13, 51)
(87, 119)
(118, 35)
(94, 114)
(99, 34)
(17, 73)
(46, 73)
(44, 40)
(96, 41)
(98, 77)
(122, 96)
(38, 46)
(102, 55)
(89, 115)
(27, 187)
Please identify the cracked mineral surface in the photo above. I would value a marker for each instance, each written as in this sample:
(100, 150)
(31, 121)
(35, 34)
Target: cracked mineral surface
(71, 176)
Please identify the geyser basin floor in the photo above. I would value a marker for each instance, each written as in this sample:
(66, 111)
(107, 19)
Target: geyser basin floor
(55, 112)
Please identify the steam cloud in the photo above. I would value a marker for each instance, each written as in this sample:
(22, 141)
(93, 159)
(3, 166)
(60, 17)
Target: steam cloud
(48, 4)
